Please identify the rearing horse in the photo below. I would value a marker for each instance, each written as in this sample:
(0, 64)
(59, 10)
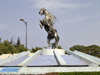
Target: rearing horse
(48, 23)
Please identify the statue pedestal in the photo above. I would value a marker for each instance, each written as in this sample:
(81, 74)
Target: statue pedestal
(50, 51)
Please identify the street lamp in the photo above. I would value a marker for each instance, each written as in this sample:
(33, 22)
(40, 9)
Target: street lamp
(26, 31)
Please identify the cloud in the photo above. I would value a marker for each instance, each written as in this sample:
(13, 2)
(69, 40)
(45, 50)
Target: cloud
(98, 23)
(55, 4)
(80, 18)
(75, 20)
(3, 26)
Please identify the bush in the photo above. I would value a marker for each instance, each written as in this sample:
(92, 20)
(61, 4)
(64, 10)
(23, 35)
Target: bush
(92, 49)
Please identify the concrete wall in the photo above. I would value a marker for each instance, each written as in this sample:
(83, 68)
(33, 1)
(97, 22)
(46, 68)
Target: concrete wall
(30, 54)
(0, 57)
(5, 56)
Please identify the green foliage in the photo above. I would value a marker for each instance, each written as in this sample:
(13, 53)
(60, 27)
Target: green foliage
(59, 47)
(5, 47)
(18, 42)
(0, 40)
(92, 50)
(77, 47)
(21, 48)
(36, 49)
(11, 41)
(11, 47)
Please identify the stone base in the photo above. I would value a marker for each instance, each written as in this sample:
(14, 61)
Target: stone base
(50, 51)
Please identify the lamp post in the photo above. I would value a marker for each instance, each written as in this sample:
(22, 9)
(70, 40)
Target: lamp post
(26, 31)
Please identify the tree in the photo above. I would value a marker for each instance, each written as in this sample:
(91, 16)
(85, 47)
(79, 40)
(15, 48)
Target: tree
(21, 48)
(18, 42)
(11, 41)
(77, 47)
(0, 40)
(10, 47)
(5, 47)
(92, 49)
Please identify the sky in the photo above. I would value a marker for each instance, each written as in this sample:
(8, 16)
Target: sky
(78, 21)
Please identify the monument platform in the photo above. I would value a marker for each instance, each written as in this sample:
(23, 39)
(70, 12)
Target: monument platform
(51, 51)
(49, 60)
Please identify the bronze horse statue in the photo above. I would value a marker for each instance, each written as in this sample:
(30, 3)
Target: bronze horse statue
(48, 23)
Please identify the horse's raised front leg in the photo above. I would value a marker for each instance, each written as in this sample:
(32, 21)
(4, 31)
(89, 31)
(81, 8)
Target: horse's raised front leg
(40, 23)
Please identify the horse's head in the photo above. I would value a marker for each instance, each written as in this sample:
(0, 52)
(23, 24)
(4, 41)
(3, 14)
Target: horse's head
(42, 11)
